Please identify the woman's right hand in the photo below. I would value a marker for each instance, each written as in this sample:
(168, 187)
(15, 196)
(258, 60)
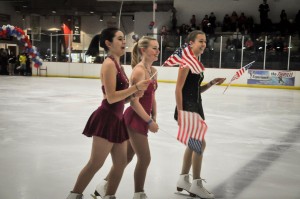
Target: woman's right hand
(179, 116)
(143, 85)
(153, 127)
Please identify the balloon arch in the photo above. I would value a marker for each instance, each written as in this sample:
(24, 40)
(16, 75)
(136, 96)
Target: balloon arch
(9, 30)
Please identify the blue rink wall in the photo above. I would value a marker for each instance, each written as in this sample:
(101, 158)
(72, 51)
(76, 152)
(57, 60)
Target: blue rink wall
(251, 78)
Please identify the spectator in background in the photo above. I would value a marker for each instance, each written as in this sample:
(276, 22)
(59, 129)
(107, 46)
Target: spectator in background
(278, 44)
(11, 63)
(22, 60)
(284, 24)
(283, 15)
(263, 10)
(249, 24)
(242, 22)
(226, 23)
(28, 66)
(237, 38)
(3, 61)
(204, 23)
(211, 37)
(234, 21)
(249, 44)
(212, 20)
(193, 21)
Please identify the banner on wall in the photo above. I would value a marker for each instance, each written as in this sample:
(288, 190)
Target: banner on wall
(76, 29)
(275, 78)
(66, 29)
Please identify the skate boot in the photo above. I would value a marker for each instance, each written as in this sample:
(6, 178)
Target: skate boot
(197, 189)
(101, 188)
(109, 197)
(184, 183)
(140, 195)
(75, 196)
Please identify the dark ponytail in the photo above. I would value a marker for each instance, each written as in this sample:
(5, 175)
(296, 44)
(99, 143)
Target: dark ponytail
(106, 34)
(93, 49)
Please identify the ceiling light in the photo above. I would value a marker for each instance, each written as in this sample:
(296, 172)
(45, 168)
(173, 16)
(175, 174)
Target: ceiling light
(114, 15)
(101, 18)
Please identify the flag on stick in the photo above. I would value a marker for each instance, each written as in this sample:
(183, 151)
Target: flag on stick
(192, 129)
(239, 73)
(184, 57)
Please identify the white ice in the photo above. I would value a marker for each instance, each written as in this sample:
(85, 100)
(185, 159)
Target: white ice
(253, 141)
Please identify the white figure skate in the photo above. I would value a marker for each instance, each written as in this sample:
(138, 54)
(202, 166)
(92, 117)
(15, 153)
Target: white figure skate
(75, 196)
(140, 195)
(101, 188)
(184, 183)
(197, 189)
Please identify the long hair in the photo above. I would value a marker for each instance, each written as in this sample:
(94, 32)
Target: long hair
(136, 52)
(93, 49)
(106, 34)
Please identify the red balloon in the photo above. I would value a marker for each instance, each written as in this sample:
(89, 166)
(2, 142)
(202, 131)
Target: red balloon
(36, 65)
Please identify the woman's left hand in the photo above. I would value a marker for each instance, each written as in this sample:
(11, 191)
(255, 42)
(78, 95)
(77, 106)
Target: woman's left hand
(218, 81)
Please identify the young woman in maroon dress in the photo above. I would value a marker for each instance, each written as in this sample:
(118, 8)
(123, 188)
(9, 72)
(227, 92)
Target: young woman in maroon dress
(141, 115)
(106, 124)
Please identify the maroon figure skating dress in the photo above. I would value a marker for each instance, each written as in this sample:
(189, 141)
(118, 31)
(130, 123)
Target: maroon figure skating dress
(107, 121)
(132, 119)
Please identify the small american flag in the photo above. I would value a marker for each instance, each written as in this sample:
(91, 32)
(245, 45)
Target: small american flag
(239, 73)
(192, 130)
(185, 57)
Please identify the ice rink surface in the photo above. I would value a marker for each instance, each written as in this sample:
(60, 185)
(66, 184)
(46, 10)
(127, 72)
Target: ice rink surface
(253, 141)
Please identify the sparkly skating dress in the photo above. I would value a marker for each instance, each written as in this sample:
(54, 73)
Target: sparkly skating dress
(132, 119)
(107, 121)
(191, 95)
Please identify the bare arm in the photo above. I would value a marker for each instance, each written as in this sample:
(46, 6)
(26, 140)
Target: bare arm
(108, 77)
(137, 75)
(154, 106)
(182, 74)
(216, 81)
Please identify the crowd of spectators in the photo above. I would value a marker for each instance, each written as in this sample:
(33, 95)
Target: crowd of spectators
(234, 27)
(237, 21)
(11, 64)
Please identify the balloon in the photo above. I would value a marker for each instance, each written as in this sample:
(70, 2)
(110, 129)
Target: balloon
(9, 30)
(151, 25)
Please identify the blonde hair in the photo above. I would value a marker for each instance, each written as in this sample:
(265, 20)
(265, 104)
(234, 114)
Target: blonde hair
(136, 52)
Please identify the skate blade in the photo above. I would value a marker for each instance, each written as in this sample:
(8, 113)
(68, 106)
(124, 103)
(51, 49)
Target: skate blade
(185, 194)
(94, 196)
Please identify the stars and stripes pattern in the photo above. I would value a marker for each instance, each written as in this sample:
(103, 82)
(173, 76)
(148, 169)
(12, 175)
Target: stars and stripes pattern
(241, 71)
(192, 130)
(184, 57)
